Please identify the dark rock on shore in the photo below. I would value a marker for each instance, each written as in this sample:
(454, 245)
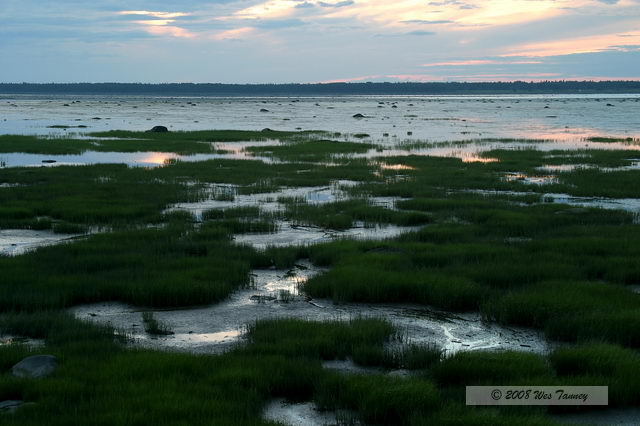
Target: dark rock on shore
(358, 115)
(35, 367)
(10, 406)
(158, 129)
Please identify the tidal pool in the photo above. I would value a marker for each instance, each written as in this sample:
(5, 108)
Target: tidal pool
(14, 242)
(275, 293)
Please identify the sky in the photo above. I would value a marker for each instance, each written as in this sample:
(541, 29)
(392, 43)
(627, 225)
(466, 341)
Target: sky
(310, 41)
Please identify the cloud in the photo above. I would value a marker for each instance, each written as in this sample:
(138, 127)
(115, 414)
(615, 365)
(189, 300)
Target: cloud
(164, 15)
(320, 40)
(235, 34)
(410, 33)
(473, 62)
(427, 22)
(339, 4)
(274, 23)
(170, 31)
(568, 46)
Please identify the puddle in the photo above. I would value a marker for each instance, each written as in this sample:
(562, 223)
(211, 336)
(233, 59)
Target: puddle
(560, 168)
(628, 204)
(386, 166)
(532, 180)
(268, 202)
(290, 234)
(240, 150)
(8, 340)
(631, 205)
(217, 328)
(349, 367)
(18, 241)
(470, 151)
(306, 414)
(229, 151)
(133, 159)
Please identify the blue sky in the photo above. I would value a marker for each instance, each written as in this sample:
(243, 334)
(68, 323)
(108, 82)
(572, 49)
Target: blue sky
(278, 41)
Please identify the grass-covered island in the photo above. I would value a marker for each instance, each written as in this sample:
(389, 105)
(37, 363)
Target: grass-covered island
(526, 236)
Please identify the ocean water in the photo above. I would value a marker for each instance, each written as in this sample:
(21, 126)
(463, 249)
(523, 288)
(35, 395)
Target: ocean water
(386, 118)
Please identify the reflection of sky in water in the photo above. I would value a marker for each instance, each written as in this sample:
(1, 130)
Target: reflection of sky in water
(565, 117)
(142, 159)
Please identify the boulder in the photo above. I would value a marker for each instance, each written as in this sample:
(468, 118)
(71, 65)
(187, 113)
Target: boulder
(35, 367)
(358, 115)
(10, 406)
(158, 129)
(264, 110)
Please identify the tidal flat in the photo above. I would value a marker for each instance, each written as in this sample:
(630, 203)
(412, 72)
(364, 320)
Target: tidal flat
(259, 277)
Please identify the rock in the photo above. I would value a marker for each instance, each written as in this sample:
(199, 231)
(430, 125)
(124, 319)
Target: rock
(158, 129)
(262, 298)
(35, 367)
(10, 406)
(609, 104)
(49, 161)
(266, 129)
(264, 110)
(358, 115)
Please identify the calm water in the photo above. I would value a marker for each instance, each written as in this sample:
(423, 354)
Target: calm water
(436, 118)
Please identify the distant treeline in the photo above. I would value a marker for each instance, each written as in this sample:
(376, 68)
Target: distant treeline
(327, 89)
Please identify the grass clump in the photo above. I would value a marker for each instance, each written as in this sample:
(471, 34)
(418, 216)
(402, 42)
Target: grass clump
(573, 311)
(153, 326)
(174, 266)
(342, 214)
(311, 150)
(327, 340)
(379, 399)
(377, 285)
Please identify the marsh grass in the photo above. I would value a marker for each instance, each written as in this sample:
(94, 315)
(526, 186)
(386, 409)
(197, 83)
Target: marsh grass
(281, 359)
(153, 326)
(519, 261)
(173, 266)
(341, 215)
(311, 150)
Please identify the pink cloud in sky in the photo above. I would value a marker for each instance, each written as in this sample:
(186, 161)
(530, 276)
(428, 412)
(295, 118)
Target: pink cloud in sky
(588, 44)
(169, 31)
(472, 62)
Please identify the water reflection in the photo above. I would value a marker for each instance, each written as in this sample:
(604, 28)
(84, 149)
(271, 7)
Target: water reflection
(436, 118)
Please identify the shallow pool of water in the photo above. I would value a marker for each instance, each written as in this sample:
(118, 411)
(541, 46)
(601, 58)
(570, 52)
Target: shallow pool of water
(566, 117)
(217, 328)
(14, 242)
